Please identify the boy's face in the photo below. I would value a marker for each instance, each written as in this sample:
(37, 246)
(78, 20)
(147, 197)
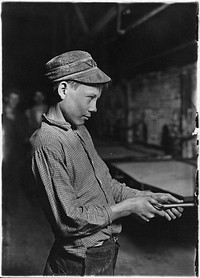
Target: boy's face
(79, 104)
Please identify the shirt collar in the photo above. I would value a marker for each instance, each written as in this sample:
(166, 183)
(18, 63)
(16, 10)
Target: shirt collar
(65, 125)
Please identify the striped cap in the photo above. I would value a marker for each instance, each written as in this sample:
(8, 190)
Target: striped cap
(75, 65)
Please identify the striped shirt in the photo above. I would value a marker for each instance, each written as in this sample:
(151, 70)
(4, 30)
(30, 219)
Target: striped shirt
(75, 186)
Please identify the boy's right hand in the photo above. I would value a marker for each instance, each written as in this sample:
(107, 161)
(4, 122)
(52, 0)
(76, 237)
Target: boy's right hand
(143, 207)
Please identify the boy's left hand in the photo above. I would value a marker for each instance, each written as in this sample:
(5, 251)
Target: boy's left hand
(165, 198)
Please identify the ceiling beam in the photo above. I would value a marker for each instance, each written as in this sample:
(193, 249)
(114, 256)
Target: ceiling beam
(192, 43)
(81, 18)
(143, 19)
(105, 20)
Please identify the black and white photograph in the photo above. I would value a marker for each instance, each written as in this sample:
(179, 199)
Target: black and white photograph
(100, 141)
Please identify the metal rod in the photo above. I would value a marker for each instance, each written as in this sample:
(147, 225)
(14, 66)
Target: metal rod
(183, 205)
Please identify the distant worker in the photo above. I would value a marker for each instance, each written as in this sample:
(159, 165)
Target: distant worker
(14, 128)
(35, 113)
(15, 140)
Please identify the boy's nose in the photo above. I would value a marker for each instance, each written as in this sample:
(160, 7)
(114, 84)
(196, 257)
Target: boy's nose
(93, 107)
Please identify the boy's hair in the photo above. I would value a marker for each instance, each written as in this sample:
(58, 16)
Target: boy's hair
(76, 84)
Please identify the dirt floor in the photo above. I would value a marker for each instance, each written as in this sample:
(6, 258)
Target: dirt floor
(158, 248)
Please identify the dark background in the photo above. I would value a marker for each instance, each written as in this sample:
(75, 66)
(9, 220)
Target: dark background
(32, 33)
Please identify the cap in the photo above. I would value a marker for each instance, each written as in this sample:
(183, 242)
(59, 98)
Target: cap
(75, 65)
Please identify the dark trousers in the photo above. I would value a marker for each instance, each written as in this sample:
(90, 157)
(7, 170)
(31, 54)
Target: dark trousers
(98, 261)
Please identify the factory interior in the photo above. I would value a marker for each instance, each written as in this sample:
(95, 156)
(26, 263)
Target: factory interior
(144, 128)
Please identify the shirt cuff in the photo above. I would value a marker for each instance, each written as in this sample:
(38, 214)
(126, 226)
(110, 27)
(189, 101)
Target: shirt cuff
(109, 213)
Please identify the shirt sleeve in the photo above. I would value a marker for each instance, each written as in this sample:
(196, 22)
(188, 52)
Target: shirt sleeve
(121, 191)
(61, 205)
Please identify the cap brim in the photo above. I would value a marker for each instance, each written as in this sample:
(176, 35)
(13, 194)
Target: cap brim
(95, 76)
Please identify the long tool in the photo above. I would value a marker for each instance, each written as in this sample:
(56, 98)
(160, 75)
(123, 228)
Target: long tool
(175, 205)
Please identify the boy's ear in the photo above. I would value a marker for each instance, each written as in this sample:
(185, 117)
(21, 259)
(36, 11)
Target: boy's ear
(62, 89)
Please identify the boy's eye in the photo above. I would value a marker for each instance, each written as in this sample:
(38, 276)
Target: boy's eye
(91, 97)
